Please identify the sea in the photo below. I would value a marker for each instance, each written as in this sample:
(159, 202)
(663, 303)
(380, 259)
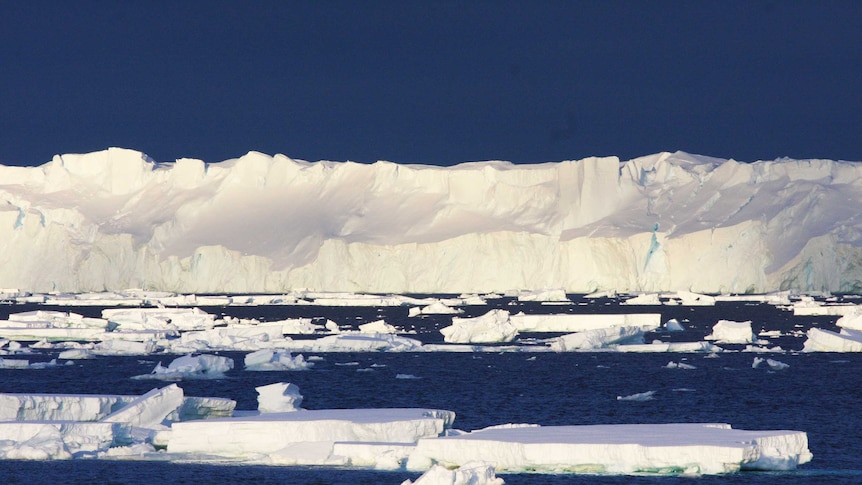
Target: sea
(819, 393)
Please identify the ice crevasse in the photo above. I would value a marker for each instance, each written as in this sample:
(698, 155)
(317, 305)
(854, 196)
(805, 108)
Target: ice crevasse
(116, 219)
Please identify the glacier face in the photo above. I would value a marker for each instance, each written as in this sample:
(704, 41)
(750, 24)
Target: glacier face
(115, 219)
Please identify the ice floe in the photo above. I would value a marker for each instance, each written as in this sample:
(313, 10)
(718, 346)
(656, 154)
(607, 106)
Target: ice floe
(191, 367)
(730, 332)
(57, 426)
(693, 448)
(281, 397)
(275, 360)
(821, 340)
(492, 327)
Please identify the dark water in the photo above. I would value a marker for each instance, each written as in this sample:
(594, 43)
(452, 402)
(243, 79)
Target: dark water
(820, 394)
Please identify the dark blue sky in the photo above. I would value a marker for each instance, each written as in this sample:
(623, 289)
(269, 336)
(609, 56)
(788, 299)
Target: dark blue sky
(431, 82)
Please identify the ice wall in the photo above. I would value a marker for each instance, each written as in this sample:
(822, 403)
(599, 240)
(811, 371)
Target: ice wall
(115, 219)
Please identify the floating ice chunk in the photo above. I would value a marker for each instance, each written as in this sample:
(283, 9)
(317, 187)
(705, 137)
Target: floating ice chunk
(596, 339)
(357, 342)
(679, 365)
(851, 320)
(47, 365)
(638, 397)
(53, 440)
(76, 354)
(730, 332)
(377, 326)
(14, 363)
(567, 322)
(811, 307)
(820, 340)
(492, 327)
(228, 338)
(673, 325)
(773, 364)
(191, 367)
(298, 326)
(150, 409)
(436, 308)
(761, 349)
(289, 326)
(292, 433)
(658, 346)
(270, 360)
(281, 397)
(620, 449)
(124, 347)
(472, 473)
(159, 318)
(406, 376)
(478, 300)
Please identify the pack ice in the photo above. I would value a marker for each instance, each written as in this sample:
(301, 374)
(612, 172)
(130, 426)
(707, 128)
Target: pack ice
(116, 219)
(165, 424)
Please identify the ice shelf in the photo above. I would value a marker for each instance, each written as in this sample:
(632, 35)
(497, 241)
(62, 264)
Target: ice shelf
(85, 222)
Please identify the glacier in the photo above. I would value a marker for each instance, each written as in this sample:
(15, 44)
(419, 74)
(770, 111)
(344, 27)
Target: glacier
(116, 219)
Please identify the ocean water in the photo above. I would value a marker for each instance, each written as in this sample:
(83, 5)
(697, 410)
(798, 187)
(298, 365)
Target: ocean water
(820, 393)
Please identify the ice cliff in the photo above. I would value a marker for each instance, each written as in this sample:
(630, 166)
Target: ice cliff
(672, 221)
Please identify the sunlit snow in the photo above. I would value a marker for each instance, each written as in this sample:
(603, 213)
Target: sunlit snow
(268, 224)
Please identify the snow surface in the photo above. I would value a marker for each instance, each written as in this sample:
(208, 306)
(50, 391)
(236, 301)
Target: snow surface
(268, 224)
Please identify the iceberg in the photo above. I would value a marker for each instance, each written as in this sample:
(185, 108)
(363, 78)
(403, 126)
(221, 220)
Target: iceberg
(86, 223)
(851, 320)
(821, 340)
(281, 397)
(730, 332)
(191, 367)
(492, 327)
(275, 360)
(436, 308)
(598, 339)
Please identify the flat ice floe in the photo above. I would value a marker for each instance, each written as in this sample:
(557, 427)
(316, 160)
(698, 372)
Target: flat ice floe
(820, 340)
(67, 426)
(619, 449)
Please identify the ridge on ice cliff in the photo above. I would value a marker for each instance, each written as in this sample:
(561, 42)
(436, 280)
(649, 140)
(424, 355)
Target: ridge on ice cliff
(116, 219)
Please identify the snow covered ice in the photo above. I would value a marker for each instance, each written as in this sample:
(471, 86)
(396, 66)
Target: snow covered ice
(78, 426)
(626, 449)
(85, 222)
